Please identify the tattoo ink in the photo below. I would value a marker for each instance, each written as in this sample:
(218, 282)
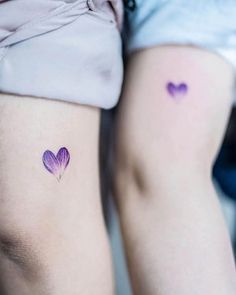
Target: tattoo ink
(177, 90)
(56, 164)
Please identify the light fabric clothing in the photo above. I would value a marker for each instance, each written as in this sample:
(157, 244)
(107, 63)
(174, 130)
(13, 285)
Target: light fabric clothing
(67, 50)
(71, 50)
(209, 24)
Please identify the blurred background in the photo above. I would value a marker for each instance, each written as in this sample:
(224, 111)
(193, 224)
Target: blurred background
(224, 176)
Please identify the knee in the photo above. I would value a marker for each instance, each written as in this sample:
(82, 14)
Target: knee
(27, 241)
(20, 254)
(144, 173)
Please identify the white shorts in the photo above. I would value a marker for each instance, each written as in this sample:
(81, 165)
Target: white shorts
(66, 50)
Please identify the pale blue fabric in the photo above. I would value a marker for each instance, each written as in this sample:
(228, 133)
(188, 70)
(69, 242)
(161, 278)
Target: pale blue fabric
(209, 24)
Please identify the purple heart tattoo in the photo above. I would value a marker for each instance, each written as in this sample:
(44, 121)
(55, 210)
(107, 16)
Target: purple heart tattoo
(56, 164)
(177, 91)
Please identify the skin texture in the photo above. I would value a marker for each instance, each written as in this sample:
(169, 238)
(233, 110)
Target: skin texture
(52, 234)
(174, 233)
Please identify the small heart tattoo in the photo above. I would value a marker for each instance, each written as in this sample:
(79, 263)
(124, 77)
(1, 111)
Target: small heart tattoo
(177, 91)
(56, 164)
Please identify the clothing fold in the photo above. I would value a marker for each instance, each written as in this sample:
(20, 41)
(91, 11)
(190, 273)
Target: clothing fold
(68, 50)
(32, 22)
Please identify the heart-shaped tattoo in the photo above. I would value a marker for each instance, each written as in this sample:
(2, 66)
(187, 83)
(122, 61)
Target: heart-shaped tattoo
(56, 164)
(177, 91)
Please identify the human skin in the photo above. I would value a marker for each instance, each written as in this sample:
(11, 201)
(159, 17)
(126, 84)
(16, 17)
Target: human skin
(52, 234)
(175, 236)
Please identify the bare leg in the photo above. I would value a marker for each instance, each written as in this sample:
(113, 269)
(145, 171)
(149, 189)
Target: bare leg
(175, 236)
(52, 234)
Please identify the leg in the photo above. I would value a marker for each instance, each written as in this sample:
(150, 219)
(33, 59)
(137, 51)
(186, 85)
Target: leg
(52, 234)
(175, 236)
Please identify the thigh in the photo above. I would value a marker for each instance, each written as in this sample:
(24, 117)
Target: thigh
(174, 109)
(169, 126)
(51, 223)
